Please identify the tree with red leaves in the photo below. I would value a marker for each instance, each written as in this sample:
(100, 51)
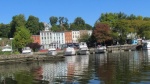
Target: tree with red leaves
(102, 32)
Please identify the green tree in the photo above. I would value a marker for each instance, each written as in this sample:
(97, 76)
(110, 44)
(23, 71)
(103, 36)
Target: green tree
(4, 30)
(84, 38)
(24, 77)
(123, 29)
(55, 28)
(33, 25)
(41, 27)
(22, 37)
(144, 30)
(17, 21)
(53, 20)
(146, 18)
(88, 27)
(78, 24)
(63, 23)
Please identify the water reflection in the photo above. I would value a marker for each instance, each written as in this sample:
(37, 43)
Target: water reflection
(107, 68)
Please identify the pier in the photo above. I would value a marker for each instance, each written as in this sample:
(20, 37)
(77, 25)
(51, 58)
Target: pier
(123, 47)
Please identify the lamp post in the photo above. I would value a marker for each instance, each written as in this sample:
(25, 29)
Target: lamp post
(11, 44)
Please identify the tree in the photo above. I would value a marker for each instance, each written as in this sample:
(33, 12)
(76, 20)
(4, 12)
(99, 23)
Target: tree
(33, 25)
(144, 30)
(34, 46)
(78, 24)
(55, 28)
(88, 27)
(22, 37)
(41, 27)
(79, 21)
(63, 22)
(53, 20)
(17, 21)
(102, 32)
(4, 30)
(122, 27)
(84, 38)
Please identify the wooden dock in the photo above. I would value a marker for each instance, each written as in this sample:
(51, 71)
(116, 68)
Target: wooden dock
(121, 47)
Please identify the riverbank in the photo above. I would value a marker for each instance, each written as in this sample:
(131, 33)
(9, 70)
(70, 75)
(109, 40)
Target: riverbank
(42, 56)
(21, 58)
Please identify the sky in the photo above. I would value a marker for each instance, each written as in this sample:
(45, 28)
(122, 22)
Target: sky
(88, 10)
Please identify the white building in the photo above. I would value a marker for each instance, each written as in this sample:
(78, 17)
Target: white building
(58, 38)
(49, 38)
(75, 36)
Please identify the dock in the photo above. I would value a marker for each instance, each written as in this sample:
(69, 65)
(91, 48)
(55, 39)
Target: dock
(127, 47)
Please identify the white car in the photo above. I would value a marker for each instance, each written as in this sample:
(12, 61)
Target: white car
(27, 50)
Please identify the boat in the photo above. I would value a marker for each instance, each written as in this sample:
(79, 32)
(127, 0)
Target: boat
(83, 49)
(100, 49)
(27, 50)
(146, 45)
(7, 48)
(69, 51)
(52, 52)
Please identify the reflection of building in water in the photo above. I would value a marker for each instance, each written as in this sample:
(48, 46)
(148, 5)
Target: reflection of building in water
(81, 64)
(65, 71)
(100, 59)
(148, 51)
(135, 59)
(38, 71)
(70, 67)
(53, 70)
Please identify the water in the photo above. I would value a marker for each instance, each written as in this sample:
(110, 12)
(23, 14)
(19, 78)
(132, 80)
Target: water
(109, 68)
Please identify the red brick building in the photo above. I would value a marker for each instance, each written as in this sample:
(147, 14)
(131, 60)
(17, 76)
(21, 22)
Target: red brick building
(36, 38)
(68, 37)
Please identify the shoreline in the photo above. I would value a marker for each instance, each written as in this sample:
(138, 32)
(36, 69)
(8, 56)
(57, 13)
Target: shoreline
(21, 58)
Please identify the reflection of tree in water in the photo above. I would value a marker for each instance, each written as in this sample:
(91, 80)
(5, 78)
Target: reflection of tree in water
(8, 80)
(117, 69)
(24, 77)
(37, 73)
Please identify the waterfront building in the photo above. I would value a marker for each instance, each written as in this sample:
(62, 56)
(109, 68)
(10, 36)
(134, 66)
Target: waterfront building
(68, 37)
(49, 38)
(75, 36)
(36, 39)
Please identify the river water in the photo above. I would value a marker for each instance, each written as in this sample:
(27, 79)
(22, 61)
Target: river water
(131, 67)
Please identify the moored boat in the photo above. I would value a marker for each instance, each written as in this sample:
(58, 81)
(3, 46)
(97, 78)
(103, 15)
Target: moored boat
(52, 52)
(146, 45)
(83, 49)
(7, 48)
(69, 51)
(100, 49)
